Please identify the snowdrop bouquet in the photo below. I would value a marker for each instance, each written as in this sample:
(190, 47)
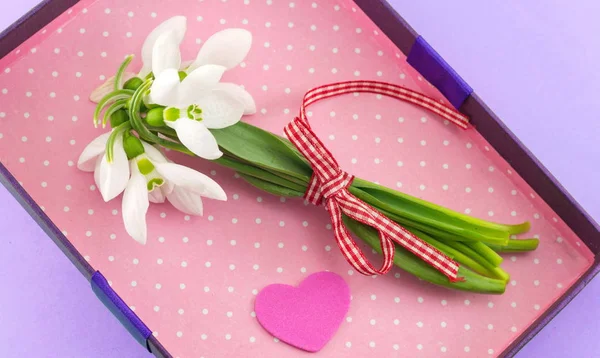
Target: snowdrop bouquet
(184, 106)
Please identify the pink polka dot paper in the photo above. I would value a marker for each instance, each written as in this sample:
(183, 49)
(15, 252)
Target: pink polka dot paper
(195, 281)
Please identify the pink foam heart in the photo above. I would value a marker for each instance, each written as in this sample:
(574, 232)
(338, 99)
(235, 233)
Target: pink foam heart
(306, 316)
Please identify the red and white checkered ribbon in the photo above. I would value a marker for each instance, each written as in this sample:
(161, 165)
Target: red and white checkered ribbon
(331, 184)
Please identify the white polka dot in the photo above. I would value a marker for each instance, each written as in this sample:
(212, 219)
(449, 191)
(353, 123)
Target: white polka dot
(467, 349)
(372, 344)
(468, 189)
(491, 304)
(373, 297)
(422, 163)
(422, 187)
(279, 270)
(513, 329)
(419, 346)
(559, 261)
(252, 339)
(513, 304)
(133, 283)
(443, 324)
(490, 351)
(230, 289)
(207, 264)
(203, 337)
(420, 324)
(467, 326)
(443, 349)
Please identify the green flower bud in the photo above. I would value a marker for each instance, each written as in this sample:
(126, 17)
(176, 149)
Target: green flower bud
(118, 118)
(182, 75)
(155, 118)
(133, 146)
(133, 83)
(172, 114)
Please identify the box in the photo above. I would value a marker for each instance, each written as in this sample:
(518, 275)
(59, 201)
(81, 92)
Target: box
(570, 239)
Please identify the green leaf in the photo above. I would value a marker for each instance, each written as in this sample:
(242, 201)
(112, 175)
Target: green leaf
(266, 176)
(262, 149)
(271, 188)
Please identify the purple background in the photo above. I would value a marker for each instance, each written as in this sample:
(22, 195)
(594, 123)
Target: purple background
(534, 63)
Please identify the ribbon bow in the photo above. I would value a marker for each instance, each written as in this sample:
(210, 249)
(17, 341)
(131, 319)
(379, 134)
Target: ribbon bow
(330, 184)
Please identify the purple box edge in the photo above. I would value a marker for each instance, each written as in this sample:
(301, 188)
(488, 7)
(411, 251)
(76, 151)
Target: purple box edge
(403, 36)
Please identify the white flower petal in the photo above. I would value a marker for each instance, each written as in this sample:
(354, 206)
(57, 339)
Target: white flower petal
(191, 180)
(177, 24)
(196, 137)
(153, 153)
(220, 109)
(186, 201)
(135, 206)
(97, 147)
(97, 171)
(228, 48)
(240, 94)
(113, 177)
(198, 83)
(164, 88)
(157, 196)
(107, 87)
(185, 65)
(165, 53)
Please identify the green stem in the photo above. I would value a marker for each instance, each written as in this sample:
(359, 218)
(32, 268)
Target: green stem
(121, 71)
(410, 263)
(522, 245)
(110, 143)
(112, 109)
(113, 96)
(485, 252)
(497, 272)
(454, 254)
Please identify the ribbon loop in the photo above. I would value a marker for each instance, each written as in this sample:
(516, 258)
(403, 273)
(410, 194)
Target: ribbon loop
(330, 184)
